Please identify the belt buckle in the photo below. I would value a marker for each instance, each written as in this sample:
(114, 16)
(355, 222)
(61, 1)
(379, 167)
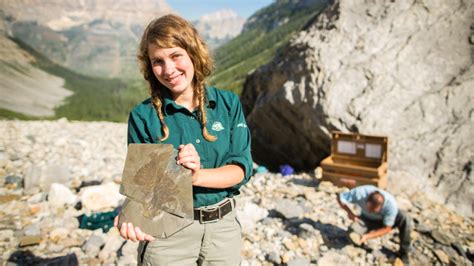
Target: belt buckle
(209, 210)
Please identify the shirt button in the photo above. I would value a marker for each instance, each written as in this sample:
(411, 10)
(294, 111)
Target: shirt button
(192, 117)
(198, 140)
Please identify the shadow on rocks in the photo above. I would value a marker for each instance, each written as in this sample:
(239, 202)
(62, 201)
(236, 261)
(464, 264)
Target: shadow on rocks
(333, 236)
(26, 257)
(305, 182)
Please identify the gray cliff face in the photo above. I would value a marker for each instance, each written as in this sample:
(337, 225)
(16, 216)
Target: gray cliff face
(401, 69)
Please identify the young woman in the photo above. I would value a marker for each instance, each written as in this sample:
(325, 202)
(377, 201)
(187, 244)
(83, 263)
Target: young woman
(208, 128)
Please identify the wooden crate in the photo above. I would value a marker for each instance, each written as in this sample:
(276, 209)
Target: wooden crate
(356, 160)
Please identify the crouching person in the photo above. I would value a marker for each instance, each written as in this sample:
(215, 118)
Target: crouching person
(379, 214)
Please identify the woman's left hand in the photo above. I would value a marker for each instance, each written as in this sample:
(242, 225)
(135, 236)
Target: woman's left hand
(189, 158)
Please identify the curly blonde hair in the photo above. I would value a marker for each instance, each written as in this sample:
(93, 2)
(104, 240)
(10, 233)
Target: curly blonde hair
(173, 31)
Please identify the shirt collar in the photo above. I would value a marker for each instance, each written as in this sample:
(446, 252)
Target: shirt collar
(170, 103)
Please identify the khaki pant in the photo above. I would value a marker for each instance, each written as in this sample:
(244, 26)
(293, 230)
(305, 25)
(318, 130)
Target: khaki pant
(198, 244)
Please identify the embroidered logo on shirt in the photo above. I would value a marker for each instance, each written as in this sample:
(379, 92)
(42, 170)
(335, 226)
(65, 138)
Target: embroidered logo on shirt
(217, 126)
(241, 125)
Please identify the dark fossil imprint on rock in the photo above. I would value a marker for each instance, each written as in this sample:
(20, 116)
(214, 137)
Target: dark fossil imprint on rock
(159, 192)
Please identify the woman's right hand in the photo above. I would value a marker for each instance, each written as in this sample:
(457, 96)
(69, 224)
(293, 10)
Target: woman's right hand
(129, 232)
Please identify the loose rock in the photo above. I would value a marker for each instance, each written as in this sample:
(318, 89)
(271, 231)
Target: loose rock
(60, 195)
(288, 208)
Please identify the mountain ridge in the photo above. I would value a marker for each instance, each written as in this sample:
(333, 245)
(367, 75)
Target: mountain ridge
(97, 38)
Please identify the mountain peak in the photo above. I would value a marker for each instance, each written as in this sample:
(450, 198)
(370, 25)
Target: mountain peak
(219, 15)
(219, 26)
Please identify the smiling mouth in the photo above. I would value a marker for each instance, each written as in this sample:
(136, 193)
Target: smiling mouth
(174, 79)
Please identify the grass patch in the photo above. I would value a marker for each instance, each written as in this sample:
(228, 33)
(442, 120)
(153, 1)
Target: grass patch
(10, 115)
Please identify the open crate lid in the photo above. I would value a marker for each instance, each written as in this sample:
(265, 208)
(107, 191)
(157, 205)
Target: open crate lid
(359, 149)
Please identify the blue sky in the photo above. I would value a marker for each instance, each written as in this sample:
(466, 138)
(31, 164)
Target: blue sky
(194, 9)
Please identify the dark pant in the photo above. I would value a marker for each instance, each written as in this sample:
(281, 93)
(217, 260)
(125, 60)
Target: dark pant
(402, 222)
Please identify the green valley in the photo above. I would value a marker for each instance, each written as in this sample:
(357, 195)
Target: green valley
(94, 98)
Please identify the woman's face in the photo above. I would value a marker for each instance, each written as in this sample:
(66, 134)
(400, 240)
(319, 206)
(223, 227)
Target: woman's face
(172, 67)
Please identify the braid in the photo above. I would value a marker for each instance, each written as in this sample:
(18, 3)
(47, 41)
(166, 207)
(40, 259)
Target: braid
(202, 110)
(157, 103)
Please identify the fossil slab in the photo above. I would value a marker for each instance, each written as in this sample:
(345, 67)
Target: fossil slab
(159, 192)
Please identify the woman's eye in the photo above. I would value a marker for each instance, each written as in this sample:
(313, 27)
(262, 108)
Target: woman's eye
(156, 62)
(175, 56)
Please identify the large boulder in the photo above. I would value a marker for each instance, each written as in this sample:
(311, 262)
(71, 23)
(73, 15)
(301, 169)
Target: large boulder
(396, 68)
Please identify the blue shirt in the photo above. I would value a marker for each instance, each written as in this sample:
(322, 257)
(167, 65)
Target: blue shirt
(359, 196)
(226, 121)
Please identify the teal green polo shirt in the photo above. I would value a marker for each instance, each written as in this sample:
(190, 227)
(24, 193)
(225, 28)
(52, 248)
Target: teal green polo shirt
(225, 120)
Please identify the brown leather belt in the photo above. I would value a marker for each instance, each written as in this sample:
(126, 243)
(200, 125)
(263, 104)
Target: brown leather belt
(214, 214)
